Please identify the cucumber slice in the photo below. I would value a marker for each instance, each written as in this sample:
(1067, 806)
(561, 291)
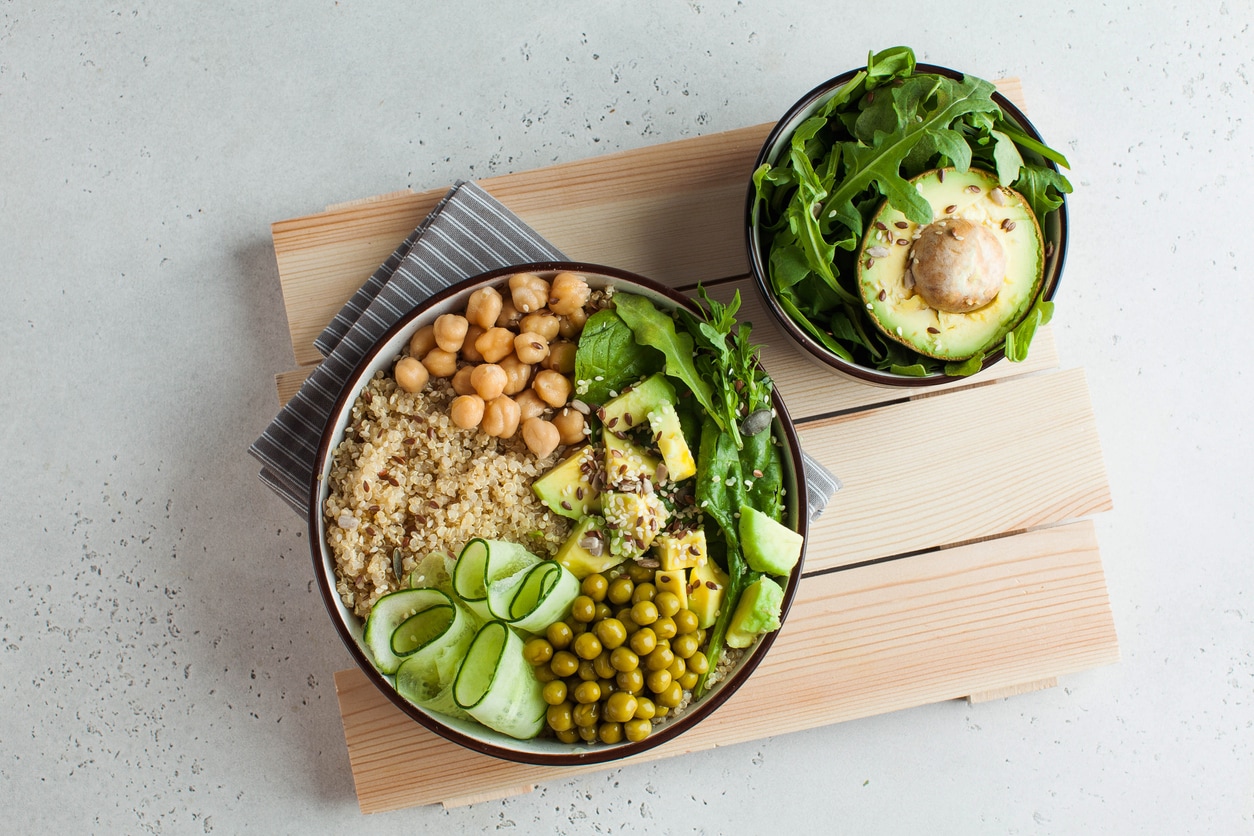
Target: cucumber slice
(535, 597)
(497, 687)
(426, 676)
(417, 631)
(388, 613)
(482, 562)
(434, 570)
(418, 682)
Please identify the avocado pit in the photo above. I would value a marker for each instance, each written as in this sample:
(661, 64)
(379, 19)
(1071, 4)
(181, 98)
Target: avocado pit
(957, 266)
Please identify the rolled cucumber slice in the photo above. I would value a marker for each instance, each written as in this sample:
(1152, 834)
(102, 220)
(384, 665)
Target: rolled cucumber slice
(497, 687)
(426, 676)
(535, 597)
(482, 562)
(389, 613)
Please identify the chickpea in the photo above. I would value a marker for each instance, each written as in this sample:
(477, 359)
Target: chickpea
(450, 331)
(528, 291)
(570, 425)
(540, 436)
(440, 363)
(422, 341)
(552, 387)
(531, 347)
(484, 306)
(488, 380)
(500, 417)
(495, 344)
(561, 357)
(571, 325)
(509, 315)
(461, 381)
(519, 374)
(569, 293)
(411, 375)
(469, 353)
(546, 325)
(466, 411)
(530, 405)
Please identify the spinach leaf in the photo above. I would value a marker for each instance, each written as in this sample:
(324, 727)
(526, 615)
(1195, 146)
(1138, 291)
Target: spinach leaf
(651, 327)
(609, 358)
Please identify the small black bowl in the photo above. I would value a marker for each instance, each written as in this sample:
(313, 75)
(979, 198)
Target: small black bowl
(1053, 227)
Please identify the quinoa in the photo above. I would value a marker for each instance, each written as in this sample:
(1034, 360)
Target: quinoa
(406, 481)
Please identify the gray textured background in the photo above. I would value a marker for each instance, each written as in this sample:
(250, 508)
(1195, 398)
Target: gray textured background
(165, 664)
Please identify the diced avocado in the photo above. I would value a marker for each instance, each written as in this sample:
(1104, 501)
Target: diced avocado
(568, 488)
(653, 399)
(956, 286)
(757, 612)
(586, 551)
(648, 394)
(769, 546)
(632, 521)
(676, 581)
(627, 463)
(669, 437)
(680, 551)
(707, 585)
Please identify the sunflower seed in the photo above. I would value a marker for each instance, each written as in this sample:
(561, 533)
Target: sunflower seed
(877, 252)
(756, 422)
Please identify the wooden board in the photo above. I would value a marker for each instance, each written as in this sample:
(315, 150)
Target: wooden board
(956, 562)
(891, 635)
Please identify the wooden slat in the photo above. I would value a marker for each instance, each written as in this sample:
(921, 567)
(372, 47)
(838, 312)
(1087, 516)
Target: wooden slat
(857, 642)
(288, 384)
(975, 463)
(673, 212)
(1013, 690)
(949, 566)
(808, 387)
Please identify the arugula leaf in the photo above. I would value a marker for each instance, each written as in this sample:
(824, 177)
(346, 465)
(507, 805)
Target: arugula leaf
(1042, 188)
(880, 163)
(1006, 158)
(1018, 340)
(609, 358)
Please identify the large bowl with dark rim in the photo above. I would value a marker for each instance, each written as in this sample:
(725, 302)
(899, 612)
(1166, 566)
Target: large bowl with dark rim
(543, 750)
(1053, 228)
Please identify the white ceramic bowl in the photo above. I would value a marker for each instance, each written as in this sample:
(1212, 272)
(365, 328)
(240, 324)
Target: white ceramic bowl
(544, 750)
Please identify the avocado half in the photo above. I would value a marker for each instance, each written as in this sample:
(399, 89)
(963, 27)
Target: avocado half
(954, 287)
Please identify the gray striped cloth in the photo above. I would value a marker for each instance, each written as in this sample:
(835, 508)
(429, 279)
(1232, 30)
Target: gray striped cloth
(467, 233)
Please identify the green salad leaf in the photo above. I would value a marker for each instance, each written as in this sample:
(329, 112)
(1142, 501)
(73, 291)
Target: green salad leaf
(609, 358)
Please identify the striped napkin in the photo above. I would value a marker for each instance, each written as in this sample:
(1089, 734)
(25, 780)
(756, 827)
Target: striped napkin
(467, 233)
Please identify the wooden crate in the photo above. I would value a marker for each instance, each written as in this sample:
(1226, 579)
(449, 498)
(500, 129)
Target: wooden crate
(968, 571)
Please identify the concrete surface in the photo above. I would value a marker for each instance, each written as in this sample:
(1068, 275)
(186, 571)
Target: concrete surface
(165, 664)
